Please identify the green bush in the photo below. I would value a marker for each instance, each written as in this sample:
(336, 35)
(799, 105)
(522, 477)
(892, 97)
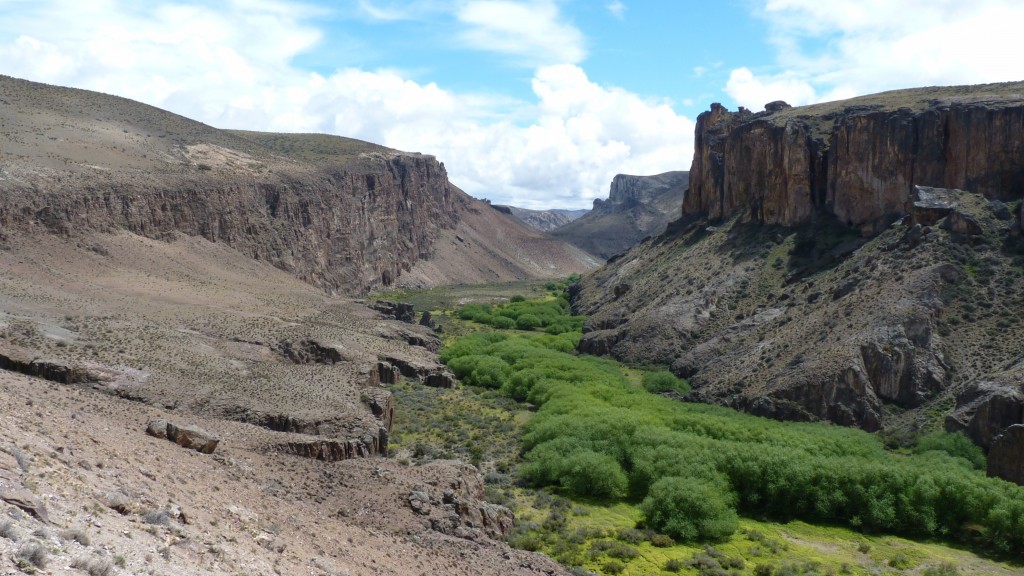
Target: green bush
(663, 381)
(955, 444)
(689, 509)
(587, 473)
(528, 322)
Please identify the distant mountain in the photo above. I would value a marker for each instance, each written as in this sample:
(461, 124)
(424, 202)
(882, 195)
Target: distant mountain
(637, 207)
(543, 220)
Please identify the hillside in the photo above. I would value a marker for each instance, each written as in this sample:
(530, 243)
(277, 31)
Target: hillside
(815, 274)
(637, 207)
(338, 213)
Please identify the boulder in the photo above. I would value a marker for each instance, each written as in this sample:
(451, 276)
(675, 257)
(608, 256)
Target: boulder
(191, 437)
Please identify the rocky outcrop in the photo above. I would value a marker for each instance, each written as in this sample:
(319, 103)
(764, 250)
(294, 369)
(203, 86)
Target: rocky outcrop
(637, 207)
(12, 486)
(25, 361)
(1006, 457)
(858, 159)
(186, 436)
(987, 406)
(430, 373)
(458, 507)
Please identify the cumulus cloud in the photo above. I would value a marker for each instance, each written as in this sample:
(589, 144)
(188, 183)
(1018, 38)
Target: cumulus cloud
(832, 50)
(533, 32)
(231, 66)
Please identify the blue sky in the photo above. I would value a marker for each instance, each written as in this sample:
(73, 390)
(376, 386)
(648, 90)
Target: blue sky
(537, 103)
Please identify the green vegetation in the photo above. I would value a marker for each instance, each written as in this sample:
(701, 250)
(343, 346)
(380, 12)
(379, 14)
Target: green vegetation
(615, 479)
(694, 467)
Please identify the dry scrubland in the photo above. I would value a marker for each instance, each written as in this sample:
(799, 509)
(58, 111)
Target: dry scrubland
(188, 331)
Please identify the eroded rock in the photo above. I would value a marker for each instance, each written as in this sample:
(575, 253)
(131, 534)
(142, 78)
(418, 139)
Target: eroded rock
(1006, 457)
(187, 436)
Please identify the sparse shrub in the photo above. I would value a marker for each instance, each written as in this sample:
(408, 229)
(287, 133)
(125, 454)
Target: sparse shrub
(763, 570)
(76, 535)
(157, 517)
(34, 553)
(517, 298)
(864, 547)
(614, 567)
(662, 541)
(622, 551)
(119, 502)
(674, 565)
(8, 530)
(93, 566)
(944, 569)
(900, 561)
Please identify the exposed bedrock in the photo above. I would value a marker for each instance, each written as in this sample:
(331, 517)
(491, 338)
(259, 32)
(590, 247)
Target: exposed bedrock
(857, 162)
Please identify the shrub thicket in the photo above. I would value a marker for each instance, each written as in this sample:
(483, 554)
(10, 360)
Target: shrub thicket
(597, 435)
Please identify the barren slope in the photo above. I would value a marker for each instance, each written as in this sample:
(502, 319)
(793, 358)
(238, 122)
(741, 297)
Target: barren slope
(195, 333)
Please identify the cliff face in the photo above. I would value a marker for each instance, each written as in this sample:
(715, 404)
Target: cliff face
(857, 159)
(343, 230)
(767, 295)
(341, 214)
(637, 207)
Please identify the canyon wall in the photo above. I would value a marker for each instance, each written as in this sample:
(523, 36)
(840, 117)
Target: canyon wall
(344, 230)
(857, 160)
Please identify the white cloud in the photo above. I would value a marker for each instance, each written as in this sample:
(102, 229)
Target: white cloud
(533, 32)
(756, 91)
(617, 9)
(231, 66)
(842, 48)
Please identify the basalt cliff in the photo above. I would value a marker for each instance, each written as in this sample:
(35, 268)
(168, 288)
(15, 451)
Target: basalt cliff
(637, 207)
(855, 261)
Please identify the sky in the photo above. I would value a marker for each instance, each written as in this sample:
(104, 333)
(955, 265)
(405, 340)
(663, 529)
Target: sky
(535, 103)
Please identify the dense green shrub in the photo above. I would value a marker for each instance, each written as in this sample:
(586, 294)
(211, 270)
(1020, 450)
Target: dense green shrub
(696, 466)
(663, 381)
(955, 444)
(528, 322)
(689, 509)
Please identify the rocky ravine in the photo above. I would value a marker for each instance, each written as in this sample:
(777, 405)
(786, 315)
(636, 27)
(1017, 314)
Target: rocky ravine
(768, 295)
(637, 207)
(341, 214)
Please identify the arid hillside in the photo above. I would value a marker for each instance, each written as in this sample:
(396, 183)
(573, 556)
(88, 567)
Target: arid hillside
(341, 214)
(124, 330)
(816, 275)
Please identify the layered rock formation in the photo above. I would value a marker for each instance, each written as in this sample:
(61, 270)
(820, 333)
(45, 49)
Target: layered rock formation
(637, 207)
(767, 295)
(857, 159)
(341, 214)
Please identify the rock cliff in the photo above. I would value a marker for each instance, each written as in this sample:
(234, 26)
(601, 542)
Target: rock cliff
(344, 215)
(637, 207)
(818, 273)
(857, 159)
